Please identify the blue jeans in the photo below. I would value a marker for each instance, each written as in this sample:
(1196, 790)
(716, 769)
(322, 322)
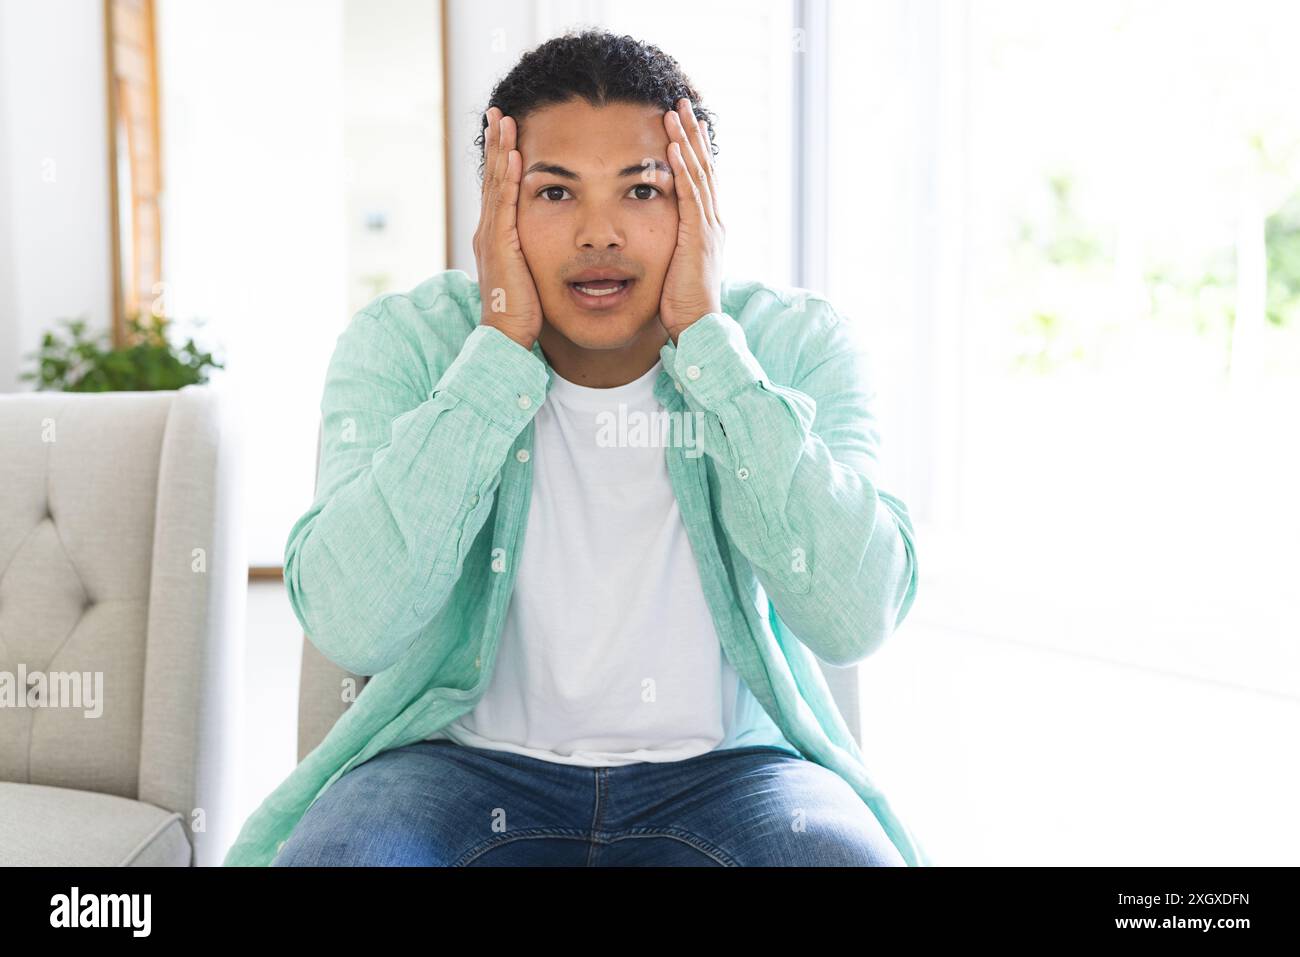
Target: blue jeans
(440, 803)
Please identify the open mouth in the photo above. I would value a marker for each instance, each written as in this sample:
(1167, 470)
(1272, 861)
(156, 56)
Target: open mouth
(600, 293)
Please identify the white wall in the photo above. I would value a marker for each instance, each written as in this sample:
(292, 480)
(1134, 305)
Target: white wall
(55, 253)
(254, 230)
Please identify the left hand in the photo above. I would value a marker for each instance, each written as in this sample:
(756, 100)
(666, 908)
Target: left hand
(693, 284)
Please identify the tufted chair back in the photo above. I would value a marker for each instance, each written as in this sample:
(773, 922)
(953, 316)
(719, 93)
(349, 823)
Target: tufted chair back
(122, 562)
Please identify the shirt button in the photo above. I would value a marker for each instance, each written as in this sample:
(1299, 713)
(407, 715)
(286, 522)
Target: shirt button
(525, 401)
(742, 473)
(279, 847)
(473, 499)
(677, 385)
(522, 455)
(478, 662)
(692, 372)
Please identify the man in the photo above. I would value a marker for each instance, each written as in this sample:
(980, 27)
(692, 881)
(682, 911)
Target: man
(590, 646)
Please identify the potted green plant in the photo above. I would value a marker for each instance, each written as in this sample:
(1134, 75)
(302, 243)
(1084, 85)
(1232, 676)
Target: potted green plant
(149, 361)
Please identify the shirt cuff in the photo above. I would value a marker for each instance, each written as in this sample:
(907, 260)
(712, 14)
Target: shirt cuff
(502, 380)
(712, 361)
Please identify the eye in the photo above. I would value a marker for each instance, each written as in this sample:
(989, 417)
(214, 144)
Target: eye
(546, 192)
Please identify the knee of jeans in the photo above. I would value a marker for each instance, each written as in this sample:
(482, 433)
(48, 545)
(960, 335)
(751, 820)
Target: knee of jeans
(858, 848)
(825, 844)
(371, 848)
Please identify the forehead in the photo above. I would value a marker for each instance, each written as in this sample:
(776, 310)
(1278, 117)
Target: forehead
(592, 140)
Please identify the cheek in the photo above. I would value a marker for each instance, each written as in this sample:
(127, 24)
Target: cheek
(534, 239)
(661, 237)
(665, 242)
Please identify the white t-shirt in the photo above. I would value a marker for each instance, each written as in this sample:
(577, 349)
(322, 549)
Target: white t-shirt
(608, 654)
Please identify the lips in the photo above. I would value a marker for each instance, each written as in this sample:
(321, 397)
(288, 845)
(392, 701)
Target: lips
(600, 293)
(598, 287)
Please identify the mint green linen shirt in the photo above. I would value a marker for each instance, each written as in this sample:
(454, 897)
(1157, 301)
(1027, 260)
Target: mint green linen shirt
(403, 566)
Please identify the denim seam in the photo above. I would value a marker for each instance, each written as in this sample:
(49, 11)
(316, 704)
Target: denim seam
(601, 780)
(522, 834)
(676, 834)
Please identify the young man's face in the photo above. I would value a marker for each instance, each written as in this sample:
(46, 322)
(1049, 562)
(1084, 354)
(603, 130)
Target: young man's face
(616, 214)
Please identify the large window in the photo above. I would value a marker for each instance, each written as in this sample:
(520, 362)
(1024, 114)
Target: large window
(1071, 234)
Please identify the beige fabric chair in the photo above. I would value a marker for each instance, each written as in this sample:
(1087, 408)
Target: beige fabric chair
(321, 700)
(122, 559)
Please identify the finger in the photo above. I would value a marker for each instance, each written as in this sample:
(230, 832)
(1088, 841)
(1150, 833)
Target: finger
(510, 192)
(485, 187)
(713, 173)
(505, 201)
(699, 145)
(690, 201)
(705, 153)
(696, 173)
(490, 137)
(500, 156)
(691, 124)
(688, 190)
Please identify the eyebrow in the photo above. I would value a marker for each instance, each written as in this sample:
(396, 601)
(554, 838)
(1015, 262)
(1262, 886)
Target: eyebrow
(562, 172)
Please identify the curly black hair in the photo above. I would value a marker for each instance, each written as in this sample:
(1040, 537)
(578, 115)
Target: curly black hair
(601, 68)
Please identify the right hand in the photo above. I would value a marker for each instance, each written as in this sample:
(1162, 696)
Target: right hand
(506, 287)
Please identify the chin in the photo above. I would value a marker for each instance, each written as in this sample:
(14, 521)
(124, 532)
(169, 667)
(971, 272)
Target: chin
(604, 332)
(601, 329)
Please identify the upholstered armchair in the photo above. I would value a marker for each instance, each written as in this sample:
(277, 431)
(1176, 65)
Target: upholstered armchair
(123, 578)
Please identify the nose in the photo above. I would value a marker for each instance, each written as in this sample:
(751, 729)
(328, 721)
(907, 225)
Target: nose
(597, 230)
